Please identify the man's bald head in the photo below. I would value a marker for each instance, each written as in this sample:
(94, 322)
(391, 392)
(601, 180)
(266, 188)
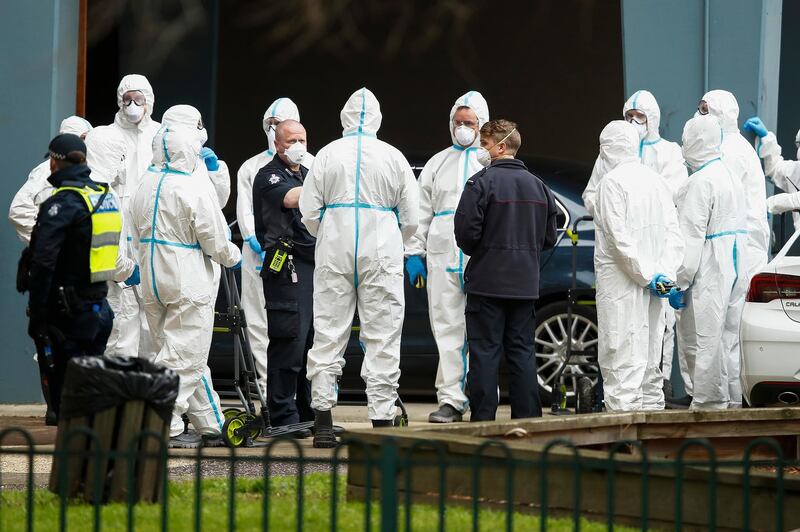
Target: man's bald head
(288, 128)
(287, 133)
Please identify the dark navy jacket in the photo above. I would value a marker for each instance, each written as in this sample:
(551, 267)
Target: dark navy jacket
(60, 244)
(505, 218)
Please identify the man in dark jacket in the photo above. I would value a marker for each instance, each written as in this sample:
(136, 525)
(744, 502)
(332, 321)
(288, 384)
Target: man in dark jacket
(288, 276)
(73, 254)
(505, 218)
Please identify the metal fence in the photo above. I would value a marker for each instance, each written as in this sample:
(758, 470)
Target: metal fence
(388, 487)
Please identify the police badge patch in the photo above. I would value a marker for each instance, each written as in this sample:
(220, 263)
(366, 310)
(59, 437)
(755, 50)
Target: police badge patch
(53, 211)
(274, 179)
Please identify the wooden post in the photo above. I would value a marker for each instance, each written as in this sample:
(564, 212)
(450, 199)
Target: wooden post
(103, 427)
(131, 426)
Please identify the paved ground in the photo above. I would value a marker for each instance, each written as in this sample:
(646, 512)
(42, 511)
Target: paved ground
(14, 467)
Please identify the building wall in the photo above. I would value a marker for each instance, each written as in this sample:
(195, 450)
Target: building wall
(37, 80)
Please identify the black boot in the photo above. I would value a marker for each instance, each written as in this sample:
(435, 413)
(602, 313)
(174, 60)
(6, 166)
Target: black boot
(376, 423)
(323, 430)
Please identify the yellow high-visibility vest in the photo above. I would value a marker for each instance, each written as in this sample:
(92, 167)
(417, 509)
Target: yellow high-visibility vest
(106, 227)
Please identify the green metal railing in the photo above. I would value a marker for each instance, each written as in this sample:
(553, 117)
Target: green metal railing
(391, 487)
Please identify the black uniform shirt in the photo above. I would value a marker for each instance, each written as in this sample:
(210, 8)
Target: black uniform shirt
(60, 244)
(505, 218)
(273, 221)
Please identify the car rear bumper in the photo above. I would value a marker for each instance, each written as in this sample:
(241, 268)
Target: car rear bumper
(770, 343)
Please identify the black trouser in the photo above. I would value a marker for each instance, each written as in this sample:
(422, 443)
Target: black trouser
(84, 333)
(290, 327)
(496, 326)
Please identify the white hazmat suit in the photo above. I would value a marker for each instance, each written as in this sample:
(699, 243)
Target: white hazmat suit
(130, 335)
(658, 154)
(252, 285)
(25, 205)
(188, 117)
(785, 174)
(105, 156)
(179, 230)
(637, 237)
(440, 185)
(741, 159)
(713, 220)
(360, 200)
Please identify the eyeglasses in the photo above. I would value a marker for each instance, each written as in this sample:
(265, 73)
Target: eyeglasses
(135, 97)
(636, 116)
(468, 123)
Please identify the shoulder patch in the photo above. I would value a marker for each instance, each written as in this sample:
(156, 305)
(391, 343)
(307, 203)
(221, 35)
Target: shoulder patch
(53, 210)
(274, 178)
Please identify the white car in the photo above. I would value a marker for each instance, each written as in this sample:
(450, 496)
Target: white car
(770, 331)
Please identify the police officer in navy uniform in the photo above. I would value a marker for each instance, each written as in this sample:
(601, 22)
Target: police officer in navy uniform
(288, 275)
(73, 253)
(505, 218)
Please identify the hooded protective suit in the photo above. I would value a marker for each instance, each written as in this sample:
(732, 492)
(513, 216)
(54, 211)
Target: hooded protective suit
(741, 159)
(25, 205)
(637, 237)
(660, 155)
(440, 185)
(360, 200)
(188, 117)
(105, 156)
(252, 286)
(713, 222)
(179, 230)
(130, 336)
(785, 175)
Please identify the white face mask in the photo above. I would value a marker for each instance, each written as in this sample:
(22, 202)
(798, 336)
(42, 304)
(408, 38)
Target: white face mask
(133, 113)
(295, 152)
(271, 138)
(465, 136)
(641, 129)
(483, 157)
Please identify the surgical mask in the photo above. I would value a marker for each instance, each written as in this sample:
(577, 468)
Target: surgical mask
(295, 152)
(271, 138)
(641, 129)
(465, 136)
(483, 157)
(133, 112)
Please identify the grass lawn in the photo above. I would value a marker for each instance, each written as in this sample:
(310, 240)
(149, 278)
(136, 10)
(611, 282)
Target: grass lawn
(249, 508)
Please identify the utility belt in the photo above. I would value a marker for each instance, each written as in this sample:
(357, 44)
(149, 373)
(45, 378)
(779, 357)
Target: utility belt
(71, 301)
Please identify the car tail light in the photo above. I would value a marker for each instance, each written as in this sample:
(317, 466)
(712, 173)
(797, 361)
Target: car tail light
(765, 287)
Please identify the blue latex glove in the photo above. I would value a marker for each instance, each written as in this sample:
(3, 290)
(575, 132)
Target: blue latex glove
(415, 267)
(252, 241)
(677, 299)
(237, 266)
(135, 277)
(755, 125)
(210, 158)
(658, 278)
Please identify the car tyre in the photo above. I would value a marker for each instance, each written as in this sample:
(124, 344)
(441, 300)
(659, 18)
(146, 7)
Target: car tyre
(547, 334)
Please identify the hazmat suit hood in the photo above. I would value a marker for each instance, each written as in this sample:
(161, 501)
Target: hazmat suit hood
(645, 102)
(176, 149)
(135, 82)
(75, 125)
(702, 140)
(475, 101)
(723, 106)
(619, 144)
(188, 118)
(361, 113)
(282, 109)
(105, 155)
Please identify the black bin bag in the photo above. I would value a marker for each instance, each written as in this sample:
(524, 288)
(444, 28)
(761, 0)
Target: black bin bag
(94, 384)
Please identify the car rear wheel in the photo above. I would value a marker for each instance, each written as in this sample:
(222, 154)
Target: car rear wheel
(551, 347)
